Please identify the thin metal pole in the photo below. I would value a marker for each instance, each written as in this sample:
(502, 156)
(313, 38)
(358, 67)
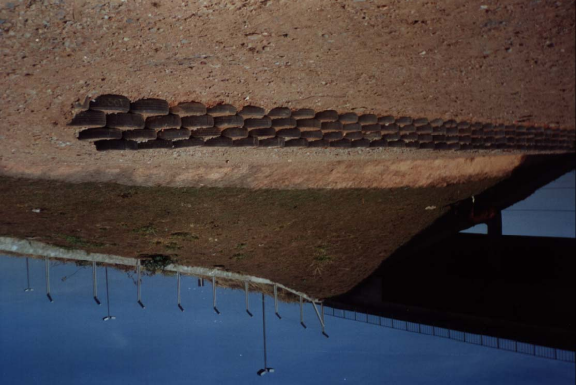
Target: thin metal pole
(276, 301)
(214, 295)
(47, 261)
(247, 300)
(302, 313)
(320, 318)
(318, 315)
(264, 330)
(139, 285)
(95, 283)
(179, 304)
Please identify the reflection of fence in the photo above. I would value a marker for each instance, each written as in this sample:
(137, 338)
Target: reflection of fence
(471, 338)
(29, 247)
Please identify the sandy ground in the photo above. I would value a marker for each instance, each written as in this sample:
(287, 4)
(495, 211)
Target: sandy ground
(270, 168)
(491, 61)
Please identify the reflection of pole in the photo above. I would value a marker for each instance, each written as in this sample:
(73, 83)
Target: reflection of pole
(28, 288)
(214, 295)
(139, 285)
(276, 301)
(108, 317)
(107, 292)
(266, 369)
(302, 313)
(95, 283)
(264, 328)
(47, 261)
(179, 304)
(247, 300)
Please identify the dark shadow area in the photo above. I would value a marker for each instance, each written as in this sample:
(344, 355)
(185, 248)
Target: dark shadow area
(522, 288)
(524, 291)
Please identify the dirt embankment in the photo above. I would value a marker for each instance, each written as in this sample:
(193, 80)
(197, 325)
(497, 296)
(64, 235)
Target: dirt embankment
(273, 168)
(497, 61)
(320, 242)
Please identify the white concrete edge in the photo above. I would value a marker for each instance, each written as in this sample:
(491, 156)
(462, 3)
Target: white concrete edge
(30, 247)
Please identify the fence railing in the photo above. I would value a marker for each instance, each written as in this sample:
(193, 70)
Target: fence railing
(471, 338)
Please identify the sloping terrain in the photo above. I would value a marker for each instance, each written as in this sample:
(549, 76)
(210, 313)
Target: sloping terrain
(321, 242)
(496, 62)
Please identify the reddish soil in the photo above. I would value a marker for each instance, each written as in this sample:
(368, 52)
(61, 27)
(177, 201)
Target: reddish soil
(496, 61)
(321, 242)
(270, 168)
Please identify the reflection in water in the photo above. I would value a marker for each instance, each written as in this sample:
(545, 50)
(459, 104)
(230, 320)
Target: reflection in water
(175, 268)
(456, 335)
(519, 288)
(286, 340)
(139, 280)
(47, 267)
(28, 288)
(95, 284)
(343, 312)
(276, 302)
(179, 296)
(265, 369)
(109, 316)
(214, 295)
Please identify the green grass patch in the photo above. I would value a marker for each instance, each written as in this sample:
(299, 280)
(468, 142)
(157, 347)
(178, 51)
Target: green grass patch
(321, 254)
(75, 241)
(155, 262)
(145, 230)
(239, 256)
(172, 246)
(184, 236)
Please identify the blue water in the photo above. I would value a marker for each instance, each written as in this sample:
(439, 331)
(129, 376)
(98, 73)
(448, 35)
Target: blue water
(66, 342)
(549, 212)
